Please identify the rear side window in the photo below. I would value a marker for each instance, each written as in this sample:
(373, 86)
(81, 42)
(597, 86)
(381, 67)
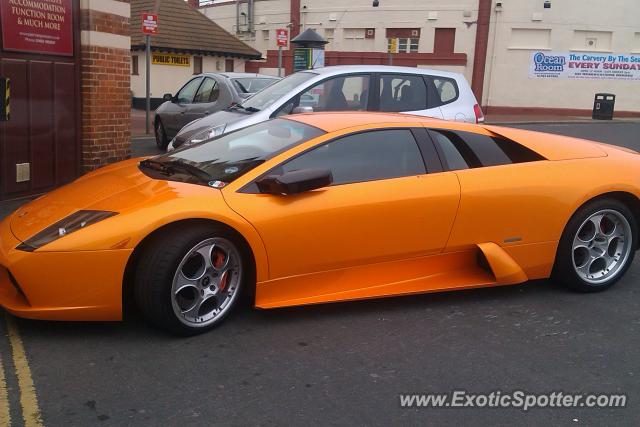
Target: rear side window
(446, 89)
(461, 150)
(367, 156)
(402, 93)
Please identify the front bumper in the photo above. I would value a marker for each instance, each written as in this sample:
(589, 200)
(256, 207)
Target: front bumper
(84, 285)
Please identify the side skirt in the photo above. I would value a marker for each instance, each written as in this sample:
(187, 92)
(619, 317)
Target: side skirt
(485, 265)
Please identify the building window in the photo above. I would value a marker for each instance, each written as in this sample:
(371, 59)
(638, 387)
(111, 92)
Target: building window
(328, 33)
(228, 65)
(197, 65)
(444, 40)
(265, 34)
(354, 33)
(134, 65)
(405, 45)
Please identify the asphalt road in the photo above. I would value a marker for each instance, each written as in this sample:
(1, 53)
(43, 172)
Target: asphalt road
(346, 363)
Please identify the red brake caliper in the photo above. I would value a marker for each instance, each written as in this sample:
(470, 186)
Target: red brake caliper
(219, 259)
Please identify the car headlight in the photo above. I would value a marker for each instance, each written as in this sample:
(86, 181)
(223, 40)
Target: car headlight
(205, 135)
(68, 225)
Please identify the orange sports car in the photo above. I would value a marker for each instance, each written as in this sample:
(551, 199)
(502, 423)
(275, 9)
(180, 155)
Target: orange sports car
(314, 208)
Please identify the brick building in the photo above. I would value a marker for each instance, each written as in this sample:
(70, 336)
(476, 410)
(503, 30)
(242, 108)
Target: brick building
(70, 91)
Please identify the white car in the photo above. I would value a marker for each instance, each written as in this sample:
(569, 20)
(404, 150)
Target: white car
(419, 91)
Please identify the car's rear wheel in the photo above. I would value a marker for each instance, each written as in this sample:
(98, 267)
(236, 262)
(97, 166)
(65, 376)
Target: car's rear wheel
(597, 246)
(188, 280)
(161, 135)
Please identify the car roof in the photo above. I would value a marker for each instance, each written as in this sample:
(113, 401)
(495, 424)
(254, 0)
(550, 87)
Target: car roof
(335, 121)
(234, 75)
(551, 147)
(342, 69)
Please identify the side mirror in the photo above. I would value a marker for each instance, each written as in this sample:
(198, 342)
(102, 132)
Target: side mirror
(295, 182)
(167, 97)
(301, 110)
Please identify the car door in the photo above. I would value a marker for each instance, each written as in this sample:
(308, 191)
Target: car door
(382, 206)
(204, 102)
(406, 93)
(173, 119)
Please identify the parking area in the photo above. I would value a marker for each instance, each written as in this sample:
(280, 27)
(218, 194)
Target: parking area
(340, 364)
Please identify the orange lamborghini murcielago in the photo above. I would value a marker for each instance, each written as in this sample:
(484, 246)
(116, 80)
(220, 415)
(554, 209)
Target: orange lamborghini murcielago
(314, 208)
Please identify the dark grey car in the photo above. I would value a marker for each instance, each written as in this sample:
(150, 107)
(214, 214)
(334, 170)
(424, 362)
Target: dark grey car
(204, 94)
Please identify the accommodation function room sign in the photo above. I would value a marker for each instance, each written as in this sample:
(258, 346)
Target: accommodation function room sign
(584, 65)
(39, 26)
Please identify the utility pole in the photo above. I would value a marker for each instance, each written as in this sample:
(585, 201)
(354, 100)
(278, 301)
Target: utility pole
(148, 83)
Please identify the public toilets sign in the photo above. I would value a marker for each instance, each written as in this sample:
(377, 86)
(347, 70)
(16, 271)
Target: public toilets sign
(579, 65)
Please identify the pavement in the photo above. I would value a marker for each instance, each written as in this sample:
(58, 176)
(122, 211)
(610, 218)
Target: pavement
(344, 363)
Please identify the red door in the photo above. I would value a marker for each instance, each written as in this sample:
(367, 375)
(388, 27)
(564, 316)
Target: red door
(40, 145)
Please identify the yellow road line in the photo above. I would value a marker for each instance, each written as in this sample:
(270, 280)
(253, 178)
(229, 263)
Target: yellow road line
(5, 416)
(28, 399)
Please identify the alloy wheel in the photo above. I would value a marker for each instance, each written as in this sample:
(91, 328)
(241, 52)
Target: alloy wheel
(602, 246)
(205, 283)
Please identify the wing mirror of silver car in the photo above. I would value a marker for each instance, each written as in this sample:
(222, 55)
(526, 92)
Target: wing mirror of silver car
(167, 97)
(302, 110)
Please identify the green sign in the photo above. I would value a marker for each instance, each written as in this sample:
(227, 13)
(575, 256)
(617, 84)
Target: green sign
(307, 58)
(301, 59)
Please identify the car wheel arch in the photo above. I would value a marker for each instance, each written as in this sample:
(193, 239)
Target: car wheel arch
(128, 283)
(629, 199)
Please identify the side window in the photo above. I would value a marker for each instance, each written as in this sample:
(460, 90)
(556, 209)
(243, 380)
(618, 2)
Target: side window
(467, 149)
(449, 152)
(208, 91)
(185, 96)
(367, 156)
(402, 93)
(348, 93)
(447, 89)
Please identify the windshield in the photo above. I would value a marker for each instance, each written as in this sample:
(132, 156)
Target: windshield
(251, 85)
(229, 156)
(271, 94)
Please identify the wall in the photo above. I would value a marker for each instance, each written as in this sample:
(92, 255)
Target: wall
(332, 16)
(169, 78)
(105, 82)
(524, 27)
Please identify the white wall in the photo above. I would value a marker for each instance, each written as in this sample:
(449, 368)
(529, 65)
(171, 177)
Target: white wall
(169, 78)
(523, 27)
(341, 15)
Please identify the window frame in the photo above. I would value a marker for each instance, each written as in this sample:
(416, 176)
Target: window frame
(134, 65)
(208, 101)
(379, 76)
(469, 154)
(437, 97)
(201, 78)
(296, 98)
(420, 139)
(197, 63)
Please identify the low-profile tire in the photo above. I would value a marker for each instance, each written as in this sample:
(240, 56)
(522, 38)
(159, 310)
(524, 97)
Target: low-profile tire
(189, 279)
(597, 246)
(162, 142)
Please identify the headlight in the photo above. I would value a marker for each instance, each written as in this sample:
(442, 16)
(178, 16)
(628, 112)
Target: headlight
(207, 134)
(73, 222)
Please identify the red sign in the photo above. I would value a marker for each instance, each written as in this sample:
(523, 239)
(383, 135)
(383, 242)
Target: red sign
(282, 37)
(149, 23)
(44, 26)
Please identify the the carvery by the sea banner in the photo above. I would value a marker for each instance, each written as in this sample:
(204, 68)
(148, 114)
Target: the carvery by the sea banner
(581, 65)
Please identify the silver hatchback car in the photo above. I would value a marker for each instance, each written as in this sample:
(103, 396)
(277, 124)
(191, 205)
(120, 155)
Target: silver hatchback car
(419, 91)
(204, 94)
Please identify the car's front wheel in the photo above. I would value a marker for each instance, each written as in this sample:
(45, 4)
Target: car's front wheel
(188, 280)
(597, 246)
